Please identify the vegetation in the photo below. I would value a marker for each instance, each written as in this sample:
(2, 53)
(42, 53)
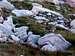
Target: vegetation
(32, 24)
(42, 29)
(68, 35)
(26, 50)
(24, 5)
(63, 9)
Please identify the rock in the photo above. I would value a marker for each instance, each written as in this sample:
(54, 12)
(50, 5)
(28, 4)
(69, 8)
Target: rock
(55, 40)
(58, 25)
(36, 4)
(7, 26)
(49, 47)
(33, 39)
(14, 38)
(72, 24)
(7, 5)
(39, 8)
(40, 19)
(35, 9)
(20, 13)
(3, 37)
(9, 23)
(5, 30)
(21, 32)
(1, 19)
(60, 20)
(62, 26)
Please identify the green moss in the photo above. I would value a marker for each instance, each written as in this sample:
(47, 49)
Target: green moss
(24, 5)
(67, 35)
(32, 24)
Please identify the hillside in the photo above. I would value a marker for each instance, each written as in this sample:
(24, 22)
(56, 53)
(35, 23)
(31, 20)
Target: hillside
(27, 50)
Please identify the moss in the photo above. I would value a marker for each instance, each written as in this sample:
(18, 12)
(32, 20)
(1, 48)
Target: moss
(23, 5)
(32, 24)
(49, 6)
(67, 35)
